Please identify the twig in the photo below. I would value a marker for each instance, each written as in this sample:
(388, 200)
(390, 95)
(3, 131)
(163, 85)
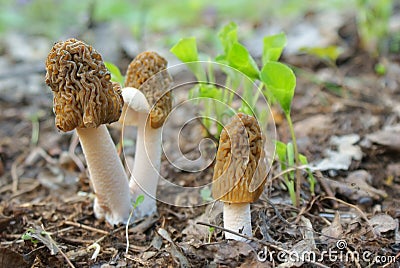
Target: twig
(395, 258)
(59, 249)
(356, 208)
(326, 187)
(277, 213)
(14, 172)
(29, 189)
(71, 151)
(86, 227)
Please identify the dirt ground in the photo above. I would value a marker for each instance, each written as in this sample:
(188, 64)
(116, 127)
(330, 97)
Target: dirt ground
(347, 112)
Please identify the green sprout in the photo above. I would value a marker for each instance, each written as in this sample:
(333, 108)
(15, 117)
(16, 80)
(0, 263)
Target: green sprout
(280, 81)
(240, 64)
(285, 153)
(211, 230)
(29, 235)
(116, 75)
(373, 23)
(205, 194)
(137, 202)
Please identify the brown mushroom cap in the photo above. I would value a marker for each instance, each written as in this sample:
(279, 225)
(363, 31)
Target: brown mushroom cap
(83, 95)
(141, 75)
(240, 168)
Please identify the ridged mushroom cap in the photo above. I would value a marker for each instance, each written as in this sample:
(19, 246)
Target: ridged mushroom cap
(147, 72)
(83, 94)
(240, 168)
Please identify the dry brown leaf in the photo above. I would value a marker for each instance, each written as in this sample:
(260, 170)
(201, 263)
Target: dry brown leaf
(383, 223)
(9, 258)
(313, 125)
(389, 136)
(333, 231)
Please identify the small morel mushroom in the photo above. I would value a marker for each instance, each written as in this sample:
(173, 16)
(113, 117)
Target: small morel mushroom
(148, 102)
(239, 173)
(85, 99)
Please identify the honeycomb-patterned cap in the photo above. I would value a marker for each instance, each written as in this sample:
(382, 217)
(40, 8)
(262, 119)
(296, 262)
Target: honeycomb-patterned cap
(83, 94)
(240, 162)
(147, 72)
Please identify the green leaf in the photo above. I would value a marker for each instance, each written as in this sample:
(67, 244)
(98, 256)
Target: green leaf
(116, 75)
(330, 53)
(186, 50)
(239, 57)
(273, 47)
(139, 200)
(281, 82)
(228, 36)
(209, 91)
(281, 152)
(311, 178)
(205, 194)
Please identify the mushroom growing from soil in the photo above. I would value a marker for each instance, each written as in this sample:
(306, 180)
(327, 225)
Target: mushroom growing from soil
(239, 173)
(85, 99)
(148, 102)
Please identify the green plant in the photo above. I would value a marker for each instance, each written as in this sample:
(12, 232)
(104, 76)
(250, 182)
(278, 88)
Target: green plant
(116, 75)
(373, 23)
(275, 80)
(285, 153)
(327, 54)
(241, 71)
(211, 230)
(30, 235)
(137, 202)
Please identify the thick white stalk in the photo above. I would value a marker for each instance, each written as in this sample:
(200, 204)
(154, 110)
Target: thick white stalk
(146, 169)
(110, 183)
(237, 218)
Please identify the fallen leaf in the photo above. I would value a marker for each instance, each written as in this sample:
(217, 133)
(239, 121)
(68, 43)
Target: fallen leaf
(174, 250)
(333, 231)
(341, 158)
(383, 223)
(313, 125)
(9, 258)
(356, 186)
(302, 248)
(389, 136)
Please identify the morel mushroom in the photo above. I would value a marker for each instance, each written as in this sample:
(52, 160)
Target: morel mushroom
(85, 99)
(239, 173)
(146, 76)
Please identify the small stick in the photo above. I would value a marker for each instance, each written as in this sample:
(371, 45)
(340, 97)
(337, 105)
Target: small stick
(59, 249)
(356, 208)
(86, 227)
(14, 172)
(71, 151)
(327, 188)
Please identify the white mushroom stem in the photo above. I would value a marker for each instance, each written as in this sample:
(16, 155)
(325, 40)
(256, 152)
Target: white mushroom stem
(145, 173)
(107, 174)
(237, 218)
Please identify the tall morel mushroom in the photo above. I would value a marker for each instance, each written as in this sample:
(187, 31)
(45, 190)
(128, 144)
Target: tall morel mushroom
(148, 102)
(85, 99)
(239, 173)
